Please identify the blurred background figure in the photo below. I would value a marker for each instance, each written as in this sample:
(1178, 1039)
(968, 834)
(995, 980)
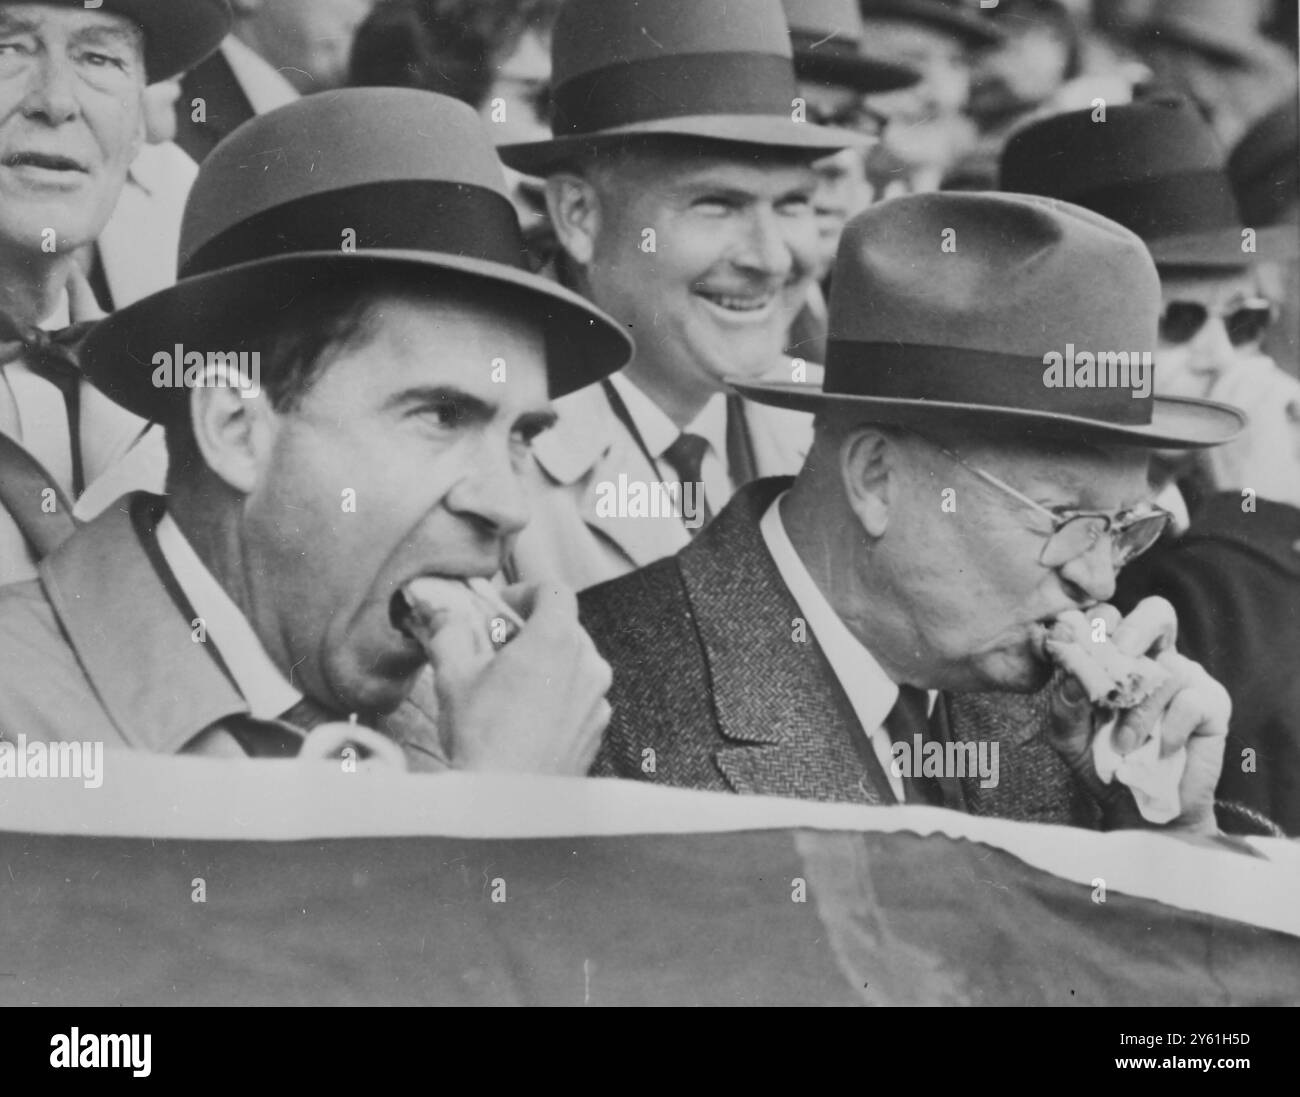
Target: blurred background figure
(835, 69)
(928, 130)
(494, 55)
(308, 42)
(1041, 51)
(1218, 55)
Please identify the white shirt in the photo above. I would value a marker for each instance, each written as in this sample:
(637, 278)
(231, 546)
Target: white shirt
(265, 689)
(658, 432)
(869, 689)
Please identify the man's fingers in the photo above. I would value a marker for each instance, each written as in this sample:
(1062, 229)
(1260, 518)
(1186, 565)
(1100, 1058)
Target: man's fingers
(1151, 627)
(457, 652)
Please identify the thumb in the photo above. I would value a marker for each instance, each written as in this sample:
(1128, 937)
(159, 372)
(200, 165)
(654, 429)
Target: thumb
(1070, 720)
(456, 653)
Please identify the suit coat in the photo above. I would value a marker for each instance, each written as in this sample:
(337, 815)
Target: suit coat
(100, 648)
(570, 540)
(1234, 579)
(227, 102)
(713, 689)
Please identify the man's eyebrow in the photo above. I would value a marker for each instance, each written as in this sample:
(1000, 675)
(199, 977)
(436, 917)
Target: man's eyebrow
(470, 406)
(130, 36)
(537, 421)
(13, 24)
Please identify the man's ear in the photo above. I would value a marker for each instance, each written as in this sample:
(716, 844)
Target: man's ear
(869, 468)
(575, 212)
(235, 434)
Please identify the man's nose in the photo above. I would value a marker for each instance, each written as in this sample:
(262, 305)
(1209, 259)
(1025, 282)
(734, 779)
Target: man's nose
(51, 91)
(1211, 351)
(1091, 576)
(767, 247)
(492, 492)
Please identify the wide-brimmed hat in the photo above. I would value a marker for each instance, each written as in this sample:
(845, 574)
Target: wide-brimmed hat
(359, 184)
(829, 48)
(1156, 167)
(948, 307)
(708, 69)
(963, 19)
(178, 34)
(1265, 166)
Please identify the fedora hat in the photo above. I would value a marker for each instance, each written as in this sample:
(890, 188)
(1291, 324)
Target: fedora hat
(962, 19)
(1229, 32)
(1265, 166)
(178, 34)
(827, 36)
(687, 68)
(408, 176)
(921, 335)
(1155, 167)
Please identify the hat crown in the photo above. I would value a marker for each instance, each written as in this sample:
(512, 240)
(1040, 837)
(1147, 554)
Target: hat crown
(327, 143)
(1020, 276)
(596, 34)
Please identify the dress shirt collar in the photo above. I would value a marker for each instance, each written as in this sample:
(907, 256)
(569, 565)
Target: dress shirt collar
(870, 690)
(265, 689)
(658, 432)
(263, 86)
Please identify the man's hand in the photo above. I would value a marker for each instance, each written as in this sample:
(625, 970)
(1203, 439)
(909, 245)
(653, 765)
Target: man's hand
(1189, 709)
(538, 705)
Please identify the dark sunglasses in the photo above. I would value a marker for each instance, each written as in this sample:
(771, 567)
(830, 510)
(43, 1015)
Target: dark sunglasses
(1246, 322)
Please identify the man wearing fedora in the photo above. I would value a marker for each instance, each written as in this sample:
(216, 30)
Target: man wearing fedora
(72, 82)
(928, 130)
(680, 187)
(322, 457)
(953, 506)
(835, 72)
(1232, 575)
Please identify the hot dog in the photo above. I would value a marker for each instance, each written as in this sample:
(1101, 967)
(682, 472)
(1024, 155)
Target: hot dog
(1110, 678)
(430, 600)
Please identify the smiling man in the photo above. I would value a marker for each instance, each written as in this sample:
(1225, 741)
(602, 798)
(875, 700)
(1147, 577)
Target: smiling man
(400, 365)
(72, 83)
(679, 184)
(954, 514)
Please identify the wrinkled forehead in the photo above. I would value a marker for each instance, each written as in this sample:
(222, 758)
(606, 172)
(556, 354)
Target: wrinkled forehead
(72, 20)
(675, 165)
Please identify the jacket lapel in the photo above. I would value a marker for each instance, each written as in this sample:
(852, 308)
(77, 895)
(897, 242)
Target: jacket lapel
(593, 453)
(776, 701)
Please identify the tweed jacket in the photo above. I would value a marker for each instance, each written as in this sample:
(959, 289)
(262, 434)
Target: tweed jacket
(714, 688)
(100, 648)
(568, 540)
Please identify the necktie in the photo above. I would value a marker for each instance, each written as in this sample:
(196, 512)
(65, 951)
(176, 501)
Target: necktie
(741, 464)
(53, 357)
(686, 458)
(909, 718)
(282, 738)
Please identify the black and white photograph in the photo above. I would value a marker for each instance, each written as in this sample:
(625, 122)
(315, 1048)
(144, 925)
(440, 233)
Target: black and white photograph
(597, 503)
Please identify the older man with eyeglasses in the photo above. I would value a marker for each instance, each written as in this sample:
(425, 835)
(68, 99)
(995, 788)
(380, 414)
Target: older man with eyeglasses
(957, 512)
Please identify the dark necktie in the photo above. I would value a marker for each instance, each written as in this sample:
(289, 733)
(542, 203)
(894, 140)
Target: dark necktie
(909, 718)
(53, 357)
(282, 738)
(742, 466)
(686, 458)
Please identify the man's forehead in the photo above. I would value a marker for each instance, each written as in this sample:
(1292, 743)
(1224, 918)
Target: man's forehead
(754, 169)
(1206, 286)
(79, 19)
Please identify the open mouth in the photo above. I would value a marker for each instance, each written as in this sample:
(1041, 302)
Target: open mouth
(420, 606)
(738, 305)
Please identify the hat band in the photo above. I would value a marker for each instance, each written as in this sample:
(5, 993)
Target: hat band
(958, 375)
(415, 215)
(1177, 204)
(676, 86)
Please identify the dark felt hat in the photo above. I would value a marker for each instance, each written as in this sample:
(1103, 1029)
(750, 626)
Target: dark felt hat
(963, 19)
(408, 178)
(178, 34)
(1227, 32)
(1156, 168)
(1265, 166)
(921, 333)
(829, 48)
(710, 69)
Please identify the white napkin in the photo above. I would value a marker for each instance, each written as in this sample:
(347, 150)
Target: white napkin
(1153, 780)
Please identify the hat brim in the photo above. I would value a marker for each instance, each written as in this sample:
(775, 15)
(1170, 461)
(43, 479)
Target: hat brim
(1176, 422)
(862, 73)
(583, 344)
(1221, 248)
(772, 131)
(178, 33)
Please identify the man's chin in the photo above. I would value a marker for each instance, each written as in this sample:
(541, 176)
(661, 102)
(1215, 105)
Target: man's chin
(1017, 672)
